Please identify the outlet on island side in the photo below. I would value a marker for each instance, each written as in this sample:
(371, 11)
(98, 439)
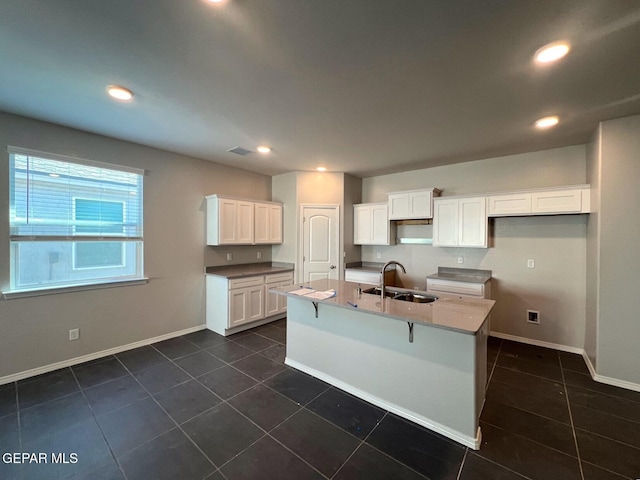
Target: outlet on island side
(533, 316)
(74, 334)
(259, 255)
(229, 257)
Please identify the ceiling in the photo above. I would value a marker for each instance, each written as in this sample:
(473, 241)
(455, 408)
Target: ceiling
(365, 87)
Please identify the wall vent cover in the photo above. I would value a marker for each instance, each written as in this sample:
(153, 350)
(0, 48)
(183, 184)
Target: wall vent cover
(239, 151)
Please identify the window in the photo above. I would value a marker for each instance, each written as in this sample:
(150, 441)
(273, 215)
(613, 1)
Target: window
(73, 222)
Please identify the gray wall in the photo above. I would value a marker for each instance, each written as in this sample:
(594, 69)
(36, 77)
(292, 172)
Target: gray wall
(555, 287)
(34, 331)
(618, 354)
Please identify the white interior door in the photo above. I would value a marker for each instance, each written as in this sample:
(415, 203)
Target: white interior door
(320, 239)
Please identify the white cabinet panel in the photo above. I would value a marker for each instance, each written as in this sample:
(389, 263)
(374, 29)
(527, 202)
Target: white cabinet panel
(564, 201)
(412, 204)
(544, 201)
(232, 221)
(233, 305)
(460, 222)
(510, 204)
(267, 223)
(371, 224)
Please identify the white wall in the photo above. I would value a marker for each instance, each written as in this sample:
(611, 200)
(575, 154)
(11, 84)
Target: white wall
(34, 331)
(555, 287)
(618, 353)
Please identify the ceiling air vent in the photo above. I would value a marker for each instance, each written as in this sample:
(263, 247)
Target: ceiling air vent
(239, 151)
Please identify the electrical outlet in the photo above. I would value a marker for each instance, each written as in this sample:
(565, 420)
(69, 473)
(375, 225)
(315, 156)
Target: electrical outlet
(460, 259)
(229, 256)
(378, 255)
(531, 263)
(533, 316)
(259, 255)
(74, 334)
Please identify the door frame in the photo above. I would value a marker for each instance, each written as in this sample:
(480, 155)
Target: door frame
(339, 249)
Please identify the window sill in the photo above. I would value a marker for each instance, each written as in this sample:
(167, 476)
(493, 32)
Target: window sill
(35, 292)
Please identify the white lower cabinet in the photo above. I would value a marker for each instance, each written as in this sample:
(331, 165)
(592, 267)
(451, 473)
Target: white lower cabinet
(460, 222)
(233, 305)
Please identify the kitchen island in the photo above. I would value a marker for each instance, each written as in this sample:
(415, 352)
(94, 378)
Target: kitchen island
(425, 362)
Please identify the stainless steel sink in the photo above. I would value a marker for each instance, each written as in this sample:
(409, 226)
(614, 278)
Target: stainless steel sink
(415, 297)
(405, 296)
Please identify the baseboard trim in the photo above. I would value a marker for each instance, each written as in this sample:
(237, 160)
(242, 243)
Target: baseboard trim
(93, 356)
(609, 380)
(390, 407)
(538, 343)
(592, 371)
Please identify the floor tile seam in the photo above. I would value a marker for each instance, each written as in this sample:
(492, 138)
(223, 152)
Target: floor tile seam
(266, 386)
(49, 401)
(532, 440)
(522, 409)
(477, 454)
(18, 422)
(535, 391)
(177, 425)
(298, 456)
(622, 476)
(338, 426)
(609, 395)
(532, 374)
(176, 358)
(364, 441)
(466, 452)
(527, 361)
(95, 419)
(635, 447)
(608, 414)
(264, 431)
(270, 339)
(573, 428)
(106, 381)
(253, 378)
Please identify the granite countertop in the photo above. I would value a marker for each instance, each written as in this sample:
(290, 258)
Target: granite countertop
(365, 266)
(468, 275)
(465, 315)
(249, 269)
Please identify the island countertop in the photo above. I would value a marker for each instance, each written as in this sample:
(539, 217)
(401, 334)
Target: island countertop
(464, 315)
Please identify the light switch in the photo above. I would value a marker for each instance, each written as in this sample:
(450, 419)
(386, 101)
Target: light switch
(531, 263)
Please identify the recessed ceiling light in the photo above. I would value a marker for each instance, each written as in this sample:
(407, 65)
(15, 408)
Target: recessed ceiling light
(547, 122)
(263, 149)
(321, 169)
(552, 52)
(120, 93)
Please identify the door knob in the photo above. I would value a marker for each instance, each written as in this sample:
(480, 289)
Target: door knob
(332, 267)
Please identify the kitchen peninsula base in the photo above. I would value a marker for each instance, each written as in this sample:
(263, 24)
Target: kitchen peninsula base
(437, 381)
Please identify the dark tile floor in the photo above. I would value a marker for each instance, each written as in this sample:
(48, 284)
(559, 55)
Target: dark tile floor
(206, 407)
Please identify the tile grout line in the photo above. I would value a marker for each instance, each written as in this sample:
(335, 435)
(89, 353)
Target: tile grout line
(95, 419)
(573, 428)
(466, 452)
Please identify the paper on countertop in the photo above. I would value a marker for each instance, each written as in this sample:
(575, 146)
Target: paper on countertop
(302, 291)
(321, 295)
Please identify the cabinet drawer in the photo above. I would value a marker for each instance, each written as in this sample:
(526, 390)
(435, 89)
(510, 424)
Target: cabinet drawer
(246, 282)
(561, 201)
(279, 277)
(455, 288)
(510, 204)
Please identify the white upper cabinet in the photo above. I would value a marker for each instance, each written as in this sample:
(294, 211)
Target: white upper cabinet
(232, 221)
(412, 204)
(371, 224)
(544, 201)
(460, 222)
(267, 223)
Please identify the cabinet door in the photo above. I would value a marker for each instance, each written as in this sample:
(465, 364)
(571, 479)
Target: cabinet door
(261, 233)
(509, 204)
(380, 225)
(445, 223)
(246, 305)
(399, 206)
(557, 201)
(227, 214)
(244, 222)
(275, 223)
(420, 204)
(472, 222)
(362, 225)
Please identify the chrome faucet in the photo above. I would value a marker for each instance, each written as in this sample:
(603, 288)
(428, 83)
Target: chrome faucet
(391, 262)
